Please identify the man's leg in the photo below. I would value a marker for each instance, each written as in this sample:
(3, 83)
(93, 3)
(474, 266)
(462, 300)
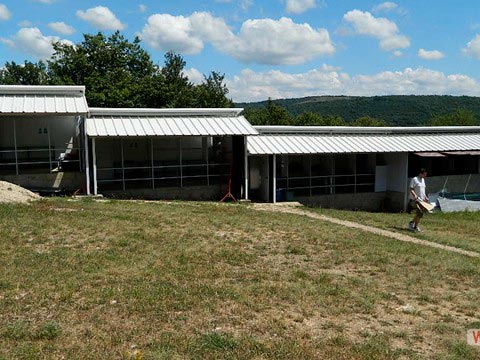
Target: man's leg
(417, 218)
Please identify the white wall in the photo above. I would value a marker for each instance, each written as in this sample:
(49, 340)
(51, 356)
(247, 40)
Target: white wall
(32, 131)
(397, 175)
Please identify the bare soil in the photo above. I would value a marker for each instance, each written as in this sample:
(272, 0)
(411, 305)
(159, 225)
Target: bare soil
(11, 193)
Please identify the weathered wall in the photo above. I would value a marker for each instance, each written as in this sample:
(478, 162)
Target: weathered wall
(362, 201)
(69, 181)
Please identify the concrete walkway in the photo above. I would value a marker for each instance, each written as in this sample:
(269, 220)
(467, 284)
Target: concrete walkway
(293, 208)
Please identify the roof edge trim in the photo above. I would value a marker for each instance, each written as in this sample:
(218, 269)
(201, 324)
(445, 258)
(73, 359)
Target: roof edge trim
(42, 90)
(227, 112)
(318, 130)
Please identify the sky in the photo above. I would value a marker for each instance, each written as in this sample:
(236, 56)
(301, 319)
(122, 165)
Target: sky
(278, 48)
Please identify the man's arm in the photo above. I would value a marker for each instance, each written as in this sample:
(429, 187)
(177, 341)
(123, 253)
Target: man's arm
(414, 194)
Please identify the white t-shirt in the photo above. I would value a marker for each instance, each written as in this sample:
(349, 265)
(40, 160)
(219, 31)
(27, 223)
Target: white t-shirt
(418, 184)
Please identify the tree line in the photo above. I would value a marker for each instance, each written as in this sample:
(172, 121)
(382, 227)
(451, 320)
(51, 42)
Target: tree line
(273, 114)
(120, 73)
(367, 111)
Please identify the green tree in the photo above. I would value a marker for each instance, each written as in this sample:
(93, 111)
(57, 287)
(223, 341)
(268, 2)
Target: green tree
(177, 90)
(120, 73)
(315, 119)
(116, 72)
(459, 117)
(271, 114)
(27, 73)
(368, 121)
(212, 93)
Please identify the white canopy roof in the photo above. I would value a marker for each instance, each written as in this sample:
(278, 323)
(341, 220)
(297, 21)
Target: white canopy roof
(276, 140)
(58, 100)
(167, 122)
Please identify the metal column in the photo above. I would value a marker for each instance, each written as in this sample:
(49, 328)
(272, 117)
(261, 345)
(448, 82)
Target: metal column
(94, 159)
(87, 160)
(274, 178)
(15, 144)
(246, 169)
(123, 165)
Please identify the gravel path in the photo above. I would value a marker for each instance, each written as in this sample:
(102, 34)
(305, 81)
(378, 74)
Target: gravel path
(292, 208)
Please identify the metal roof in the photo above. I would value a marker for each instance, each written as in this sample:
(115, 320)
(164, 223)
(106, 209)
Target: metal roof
(167, 122)
(362, 143)
(21, 100)
(222, 112)
(346, 130)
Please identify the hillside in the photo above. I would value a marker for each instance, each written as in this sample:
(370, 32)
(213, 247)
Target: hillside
(396, 110)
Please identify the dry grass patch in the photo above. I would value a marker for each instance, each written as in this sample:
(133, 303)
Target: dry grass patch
(192, 280)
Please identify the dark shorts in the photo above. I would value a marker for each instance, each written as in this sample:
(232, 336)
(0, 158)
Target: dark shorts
(418, 210)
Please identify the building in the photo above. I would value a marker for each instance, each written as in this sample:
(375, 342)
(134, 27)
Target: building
(41, 136)
(51, 141)
(168, 153)
(362, 168)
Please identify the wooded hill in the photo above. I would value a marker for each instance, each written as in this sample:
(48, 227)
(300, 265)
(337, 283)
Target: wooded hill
(395, 110)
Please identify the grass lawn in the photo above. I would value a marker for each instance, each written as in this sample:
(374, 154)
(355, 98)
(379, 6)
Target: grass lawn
(133, 280)
(460, 229)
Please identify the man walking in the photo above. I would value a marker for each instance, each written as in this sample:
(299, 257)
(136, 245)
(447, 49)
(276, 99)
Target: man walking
(417, 194)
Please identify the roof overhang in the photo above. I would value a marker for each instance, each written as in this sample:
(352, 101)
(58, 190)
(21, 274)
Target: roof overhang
(356, 130)
(42, 100)
(167, 122)
(363, 143)
(430, 154)
(146, 112)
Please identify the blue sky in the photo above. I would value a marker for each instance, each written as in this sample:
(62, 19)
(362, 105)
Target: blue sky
(277, 48)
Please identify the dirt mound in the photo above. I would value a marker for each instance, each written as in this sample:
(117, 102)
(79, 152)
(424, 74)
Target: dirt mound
(10, 193)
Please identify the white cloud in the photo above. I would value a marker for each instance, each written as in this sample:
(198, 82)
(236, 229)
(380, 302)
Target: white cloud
(254, 86)
(31, 41)
(61, 28)
(473, 47)
(167, 32)
(385, 6)
(5, 14)
(101, 18)
(397, 53)
(430, 54)
(382, 29)
(194, 75)
(142, 8)
(299, 6)
(263, 41)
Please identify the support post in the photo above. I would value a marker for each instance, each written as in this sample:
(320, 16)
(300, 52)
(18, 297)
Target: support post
(274, 178)
(87, 160)
(406, 184)
(49, 145)
(153, 164)
(246, 169)
(205, 141)
(181, 161)
(310, 175)
(123, 165)
(15, 144)
(94, 160)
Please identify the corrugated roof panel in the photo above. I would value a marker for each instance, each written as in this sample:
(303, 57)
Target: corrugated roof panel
(102, 127)
(42, 100)
(154, 125)
(209, 127)
(329, 144)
